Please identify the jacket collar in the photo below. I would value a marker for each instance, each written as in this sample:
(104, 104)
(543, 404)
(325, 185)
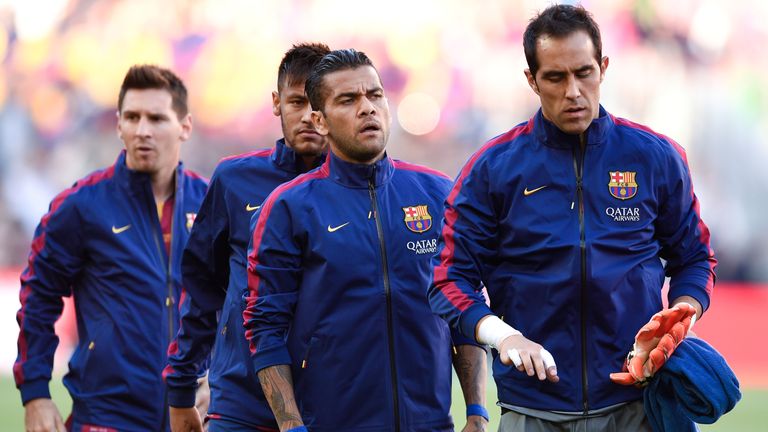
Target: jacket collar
(550, 135)
(356, 175)
(136, 182)
(288, 160)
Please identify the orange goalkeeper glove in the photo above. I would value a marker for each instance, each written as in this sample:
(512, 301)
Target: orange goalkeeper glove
(655, 343)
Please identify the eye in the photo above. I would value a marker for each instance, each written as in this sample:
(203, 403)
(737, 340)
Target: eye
(584, 73)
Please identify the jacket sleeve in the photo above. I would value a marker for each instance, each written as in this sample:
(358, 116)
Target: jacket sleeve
(682, 234)
(204, 268)
(466, 244)
(55, 259)
(274, 275)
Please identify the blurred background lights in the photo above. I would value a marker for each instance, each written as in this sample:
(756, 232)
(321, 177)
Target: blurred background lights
(37, 19)
(710, 29)
(418, 113)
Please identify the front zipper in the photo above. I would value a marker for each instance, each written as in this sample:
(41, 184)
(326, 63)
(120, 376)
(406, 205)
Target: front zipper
(160, 244)
(578, 167)
(388, 296)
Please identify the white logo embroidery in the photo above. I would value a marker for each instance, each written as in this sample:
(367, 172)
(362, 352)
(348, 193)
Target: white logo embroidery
(624, 214)
(336, 228)
(426, 246)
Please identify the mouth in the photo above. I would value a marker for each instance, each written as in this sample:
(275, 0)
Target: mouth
(574, 111)
(308, 132)
(370, 127)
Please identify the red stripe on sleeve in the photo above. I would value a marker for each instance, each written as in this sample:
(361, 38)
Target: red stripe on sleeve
(253, 257)
(449, 289)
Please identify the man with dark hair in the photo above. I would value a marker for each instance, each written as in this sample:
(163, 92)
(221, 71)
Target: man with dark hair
(566, 219)
(113, 241)
(215, 258)
(337, 271)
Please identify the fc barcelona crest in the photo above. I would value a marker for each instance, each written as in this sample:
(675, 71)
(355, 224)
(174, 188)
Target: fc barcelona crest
(622, 184)
(417, 218)
(190, 220)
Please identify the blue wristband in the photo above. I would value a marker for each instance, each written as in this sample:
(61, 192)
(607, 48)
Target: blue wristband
(477, 410)
(298, 429)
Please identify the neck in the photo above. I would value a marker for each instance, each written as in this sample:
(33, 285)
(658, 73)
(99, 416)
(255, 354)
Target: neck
(309, 162)
(163, 184)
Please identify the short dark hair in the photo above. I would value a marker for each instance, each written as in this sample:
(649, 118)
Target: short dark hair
(298, 62)
(142, 77)
(332, 62)
(559, 21)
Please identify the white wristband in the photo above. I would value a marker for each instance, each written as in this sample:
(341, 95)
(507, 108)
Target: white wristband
(492, 330)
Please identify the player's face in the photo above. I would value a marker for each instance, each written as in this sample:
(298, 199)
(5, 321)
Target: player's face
(356, 116)
(151, 130)
(568, 80)
(292, 106)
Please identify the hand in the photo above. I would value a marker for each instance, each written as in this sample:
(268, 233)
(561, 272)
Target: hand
(475, 423)
(655, 343)
(528, 357)
(202, 397)
(185, 420)
(41, 415)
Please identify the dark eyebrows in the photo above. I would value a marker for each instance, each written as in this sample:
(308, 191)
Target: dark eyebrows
(356, 94)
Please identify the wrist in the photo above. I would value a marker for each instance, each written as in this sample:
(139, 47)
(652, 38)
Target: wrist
(477, 410)
(492, 331)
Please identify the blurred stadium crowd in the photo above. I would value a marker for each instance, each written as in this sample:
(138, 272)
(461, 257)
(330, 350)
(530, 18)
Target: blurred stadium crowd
(691, 69)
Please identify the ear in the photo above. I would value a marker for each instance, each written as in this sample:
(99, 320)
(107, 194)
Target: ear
(531, 81)
(276, 103)
(186, 127)
(119, 128)
(318, 121)
(603, 66)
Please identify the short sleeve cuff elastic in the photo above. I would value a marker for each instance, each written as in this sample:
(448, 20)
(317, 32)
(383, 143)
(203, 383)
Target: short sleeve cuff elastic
(274, 355)
(34, 390)
(181, 397)
(470, 317)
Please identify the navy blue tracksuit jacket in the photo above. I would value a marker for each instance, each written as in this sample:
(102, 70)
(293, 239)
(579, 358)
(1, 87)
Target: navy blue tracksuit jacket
(570, 243)
(214, 276)
(101, 242)
(337, 273)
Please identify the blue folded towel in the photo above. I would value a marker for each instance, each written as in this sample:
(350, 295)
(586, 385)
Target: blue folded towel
(695, 385)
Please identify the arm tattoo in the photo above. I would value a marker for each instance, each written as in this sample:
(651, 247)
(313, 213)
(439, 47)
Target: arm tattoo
(472, 371)
(277, 383)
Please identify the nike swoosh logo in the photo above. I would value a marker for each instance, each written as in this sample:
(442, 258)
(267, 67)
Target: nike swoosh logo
(121, 229)
(333, 229)
(527, 192)
(250, 209)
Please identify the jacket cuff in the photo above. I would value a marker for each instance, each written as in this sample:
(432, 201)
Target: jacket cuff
(469, 318)
(34, 390)
(181, 397)
(274, 355)
(459, 339)
(700, 294)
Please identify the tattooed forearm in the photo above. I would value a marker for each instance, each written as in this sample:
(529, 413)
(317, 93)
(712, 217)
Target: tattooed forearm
(472, 371)
(277, 383)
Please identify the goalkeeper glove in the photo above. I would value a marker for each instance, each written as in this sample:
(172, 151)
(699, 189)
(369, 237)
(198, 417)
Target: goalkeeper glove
(655, 343)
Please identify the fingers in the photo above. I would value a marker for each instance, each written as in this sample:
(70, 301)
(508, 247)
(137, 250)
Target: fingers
(541, 363)
(623, 378)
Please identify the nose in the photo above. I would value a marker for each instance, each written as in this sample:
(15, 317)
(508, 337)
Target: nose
(143, 128)
(572, 88)
(366, 107)
(306, 116)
